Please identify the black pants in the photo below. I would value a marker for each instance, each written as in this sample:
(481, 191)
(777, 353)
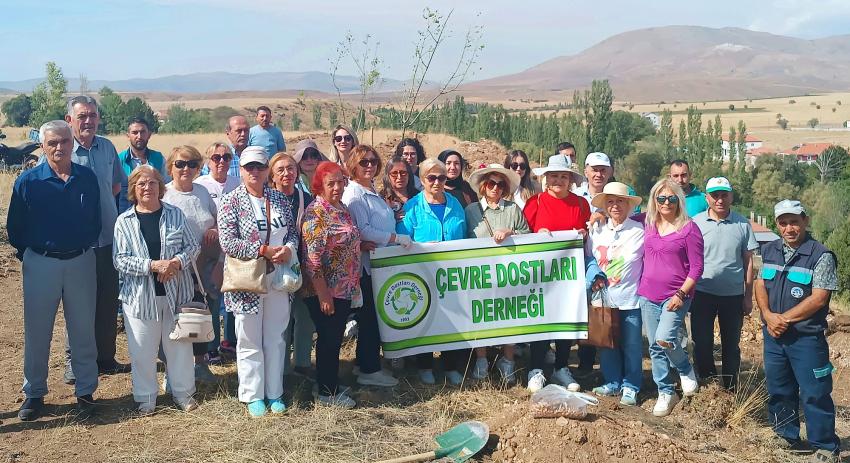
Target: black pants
(368, 336)
(329, 330)
(456, 360)
(729, 313)
(586, 354)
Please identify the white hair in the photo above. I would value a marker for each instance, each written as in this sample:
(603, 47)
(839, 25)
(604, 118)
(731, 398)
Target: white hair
(53, 126)
(81, 99)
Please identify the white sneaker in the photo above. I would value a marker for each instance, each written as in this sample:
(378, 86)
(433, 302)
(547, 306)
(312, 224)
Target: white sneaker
(563, 377)
(550, 357)
(536, 380)
(454, 377)
(378, 378)
(506, 368)
(166, 386)
(690, 386)
(479, 371)
(664, 405)
(427, 376)
(350, 329)
(339, 400)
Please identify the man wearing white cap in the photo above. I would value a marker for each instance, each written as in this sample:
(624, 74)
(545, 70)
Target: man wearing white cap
(725, 291)
(793, 293)
(598, 171)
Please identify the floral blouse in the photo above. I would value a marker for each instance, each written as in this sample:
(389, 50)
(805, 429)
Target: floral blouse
(331, 248)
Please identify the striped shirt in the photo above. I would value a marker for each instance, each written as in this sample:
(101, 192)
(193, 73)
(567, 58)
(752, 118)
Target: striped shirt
(132, 260)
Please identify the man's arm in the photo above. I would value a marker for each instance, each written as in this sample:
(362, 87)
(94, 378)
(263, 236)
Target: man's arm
(776, 323)
(808, 306)
(118, 176)
(748, 283)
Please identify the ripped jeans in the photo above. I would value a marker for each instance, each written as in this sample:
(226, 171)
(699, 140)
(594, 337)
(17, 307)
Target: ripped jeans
(665, 326)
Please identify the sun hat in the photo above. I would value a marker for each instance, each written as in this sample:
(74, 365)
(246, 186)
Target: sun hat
(559, 164)
(479, 175)
(718, 184)
(302, 146)
(597, 159)
(788, 206)
(253, 154)
(615, 189)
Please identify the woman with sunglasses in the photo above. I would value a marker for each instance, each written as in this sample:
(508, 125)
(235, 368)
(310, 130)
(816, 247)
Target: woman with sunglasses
(200, 210)
(498, 218)
(456, 185)
(517, 161)
(248, 215)
(308, 157)
(434, 216)
(672, 264)
(343, 140)
(412, 152)
(397, 186)
(376, 223)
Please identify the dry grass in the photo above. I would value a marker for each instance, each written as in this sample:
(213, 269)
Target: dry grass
(750, 398)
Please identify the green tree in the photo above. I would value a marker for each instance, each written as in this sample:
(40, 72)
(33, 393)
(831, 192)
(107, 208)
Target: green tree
(183, 120)
(813, 122)
(317, 116)
(111, 108)
(136, 108)
(665, 132)
(296, 122)
(782, 123)
(333, 117)
(48, 97)
(17, 110)
(642, 168)
(839, 243)
(831, 162)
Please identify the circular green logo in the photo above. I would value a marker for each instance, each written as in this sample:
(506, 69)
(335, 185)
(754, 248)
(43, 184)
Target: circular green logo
(403, 300)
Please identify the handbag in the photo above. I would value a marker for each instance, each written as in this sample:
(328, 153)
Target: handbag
(603, 323)
(249, 275)
(193, 320)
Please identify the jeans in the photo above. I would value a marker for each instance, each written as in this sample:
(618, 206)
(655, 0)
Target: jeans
(622, 367)
(728, 311)
(229, 326)
(329, 331)
(368, 336)
(665, 326)
(797, 369)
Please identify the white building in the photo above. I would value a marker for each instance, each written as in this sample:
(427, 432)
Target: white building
(752, 142)
(654, 118)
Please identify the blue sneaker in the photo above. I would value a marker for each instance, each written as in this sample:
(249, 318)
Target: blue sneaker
(629, 396)
(606, 390)
(277, 406)
(257, 408)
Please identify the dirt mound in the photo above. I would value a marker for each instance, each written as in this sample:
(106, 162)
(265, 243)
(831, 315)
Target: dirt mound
(482, 152)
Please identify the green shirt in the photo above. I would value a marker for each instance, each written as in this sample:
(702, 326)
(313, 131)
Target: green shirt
(506, 215)
(695, 202)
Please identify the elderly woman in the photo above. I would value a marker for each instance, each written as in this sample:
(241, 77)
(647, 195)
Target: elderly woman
(412, 152)
(249, 215)
(456, 185)
(557, 209)
(308, 157)
(331, 249)
(517, 161)
(498, 218)
(397, 186)
(153, 252)
(672, 265)
(377, 224)
(343, 141)
(617, 247)
(433, 216)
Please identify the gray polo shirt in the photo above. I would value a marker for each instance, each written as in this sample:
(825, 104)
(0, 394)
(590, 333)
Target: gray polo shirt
(102, 158)
(725, 243)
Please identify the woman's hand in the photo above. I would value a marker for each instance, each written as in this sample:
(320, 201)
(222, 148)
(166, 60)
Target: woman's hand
(166, 269)
(597, 219)
(598, 284)
(326, 304)
(281, 255)
(500, 235)
(545, 230)
(675, 303)
(367, 246)
(210, 236)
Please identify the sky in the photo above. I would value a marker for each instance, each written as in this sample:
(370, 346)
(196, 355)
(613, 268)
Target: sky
(119, 39)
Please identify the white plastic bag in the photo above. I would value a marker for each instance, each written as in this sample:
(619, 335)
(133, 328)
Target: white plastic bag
(554, 401)
(287, 277)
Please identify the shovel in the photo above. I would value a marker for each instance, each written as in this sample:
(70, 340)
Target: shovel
(458, 443)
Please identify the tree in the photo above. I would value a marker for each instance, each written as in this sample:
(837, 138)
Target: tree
(182, 120)
(642, 168)
(17, 110)
(367, 63)
(731, 107)
(665, 133)
(317, 116)
(813, 122)
(783, 123)
(48, 97)
(333, 117)
(839, 243)
(136, 108)
(831, 162)
(111, 109)
(296, 122)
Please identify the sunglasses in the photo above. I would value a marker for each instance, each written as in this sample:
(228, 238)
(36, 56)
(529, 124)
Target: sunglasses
(672, 199)
(519, 165)
(340, 138)
(398, 173)
(221, 157)
(366, 162)
(436, 178)
(255, 166)
(495, 184)
(190, 164)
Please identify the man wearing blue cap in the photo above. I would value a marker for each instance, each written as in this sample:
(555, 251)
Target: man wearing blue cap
(793, 293)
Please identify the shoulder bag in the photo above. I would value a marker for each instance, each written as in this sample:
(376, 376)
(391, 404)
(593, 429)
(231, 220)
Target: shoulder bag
(603, 323)
(193, 321)
(249, 275)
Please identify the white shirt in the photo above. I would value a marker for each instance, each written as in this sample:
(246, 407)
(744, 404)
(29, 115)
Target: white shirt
(197, 205)
(216, 189)
(619, 253)
(279, 229)
(373, 217)
(518, 198)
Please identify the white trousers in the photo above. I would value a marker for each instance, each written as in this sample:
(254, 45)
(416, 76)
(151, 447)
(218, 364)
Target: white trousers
(260, 348)
(143, 340)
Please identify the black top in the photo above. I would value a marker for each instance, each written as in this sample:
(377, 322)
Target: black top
(149, 224)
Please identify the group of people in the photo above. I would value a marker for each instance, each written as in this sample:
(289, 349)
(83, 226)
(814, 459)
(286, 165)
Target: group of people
(93, 226)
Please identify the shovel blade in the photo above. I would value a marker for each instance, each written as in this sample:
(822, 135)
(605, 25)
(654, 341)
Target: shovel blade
(462, 441)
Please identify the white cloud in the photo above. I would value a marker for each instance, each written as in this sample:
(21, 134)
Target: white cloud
(803, 18)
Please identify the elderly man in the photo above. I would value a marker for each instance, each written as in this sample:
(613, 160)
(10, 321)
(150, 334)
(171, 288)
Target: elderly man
(725, 291)
(236, 130)
(793, 293)
(53, 222)
(137, 154)
(680, 172)
(98, 154)
(265, 134)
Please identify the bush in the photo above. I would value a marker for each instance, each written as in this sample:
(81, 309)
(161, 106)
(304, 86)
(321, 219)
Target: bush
(792, 101)
(813, 122)
(839, 243)
(182, 120)
(783, 123)
(731, 107)
(17, 110)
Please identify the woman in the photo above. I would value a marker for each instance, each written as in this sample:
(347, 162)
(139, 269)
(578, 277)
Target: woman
(248, 215)
(456, 185)
(376, 223)
(495, 217)
(517, 161)
(397, 186)
(557, 209)
(433, 216)
(153, 253)
(307, 156)
(183, 164)
(413, 154)
(331, 249)
(617, 247)
(343, 140)
(672, 264)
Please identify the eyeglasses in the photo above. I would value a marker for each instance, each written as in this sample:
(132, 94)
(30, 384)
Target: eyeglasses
(340, 138)
(519, 165)
(221, 157)
(255, 166)
(287, 169)
(143, 185)
(672, 199)
(436, 178)
(366, 162)
(190, 164)
(398, 173)
(494, 184)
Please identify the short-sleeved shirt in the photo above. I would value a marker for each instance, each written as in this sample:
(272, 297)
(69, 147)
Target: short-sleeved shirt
(825, 275)
(271, 139)
(695, 202)
(546, 211)
(196, 205)
(725, 243)
(216, 189)
(102, 158)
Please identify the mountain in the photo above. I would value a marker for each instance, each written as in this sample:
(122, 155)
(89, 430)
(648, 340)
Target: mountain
(687, 63)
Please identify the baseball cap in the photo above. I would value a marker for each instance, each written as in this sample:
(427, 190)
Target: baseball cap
(788, 206)
(597, 159)
(253, 154)
(718, 184)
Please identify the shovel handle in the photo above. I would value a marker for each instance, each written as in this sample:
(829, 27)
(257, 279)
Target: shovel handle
(418, 457)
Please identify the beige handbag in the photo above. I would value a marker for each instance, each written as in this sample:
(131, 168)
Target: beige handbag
(193, 321)
(249, 275)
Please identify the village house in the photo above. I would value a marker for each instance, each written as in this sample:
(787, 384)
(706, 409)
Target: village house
(806, 153)
(751, 141)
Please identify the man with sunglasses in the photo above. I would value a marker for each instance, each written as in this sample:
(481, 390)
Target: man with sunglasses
(725, 291)
(265, 133)
(680, 172)
(137, 154)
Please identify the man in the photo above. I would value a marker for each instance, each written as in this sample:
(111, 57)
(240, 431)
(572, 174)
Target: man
(137, 154)
(598, 172)
(567, 150)
(725, 290)
(265, 134)
(236, 130)
(680, 172)
(53, 221)
(98, 154)
(793, 293)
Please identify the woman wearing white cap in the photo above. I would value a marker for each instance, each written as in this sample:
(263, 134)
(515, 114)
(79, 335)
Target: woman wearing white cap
(494, 216)
(249, 216)
(618, 249)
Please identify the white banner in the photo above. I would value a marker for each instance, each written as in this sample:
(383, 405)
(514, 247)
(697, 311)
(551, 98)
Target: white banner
(472, 293)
